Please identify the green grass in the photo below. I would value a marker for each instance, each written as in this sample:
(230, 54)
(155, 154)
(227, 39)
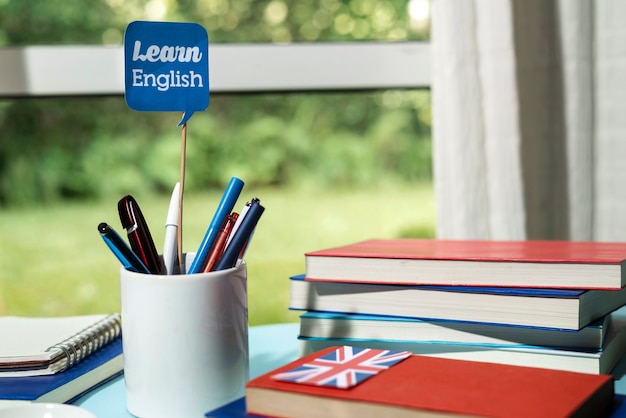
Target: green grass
(53, 261)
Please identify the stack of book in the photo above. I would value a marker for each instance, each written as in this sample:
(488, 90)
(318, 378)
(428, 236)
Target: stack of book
(548, 304)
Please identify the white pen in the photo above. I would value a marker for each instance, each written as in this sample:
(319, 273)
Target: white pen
(170, 246)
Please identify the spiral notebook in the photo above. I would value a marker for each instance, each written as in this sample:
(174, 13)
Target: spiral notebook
(45, 346)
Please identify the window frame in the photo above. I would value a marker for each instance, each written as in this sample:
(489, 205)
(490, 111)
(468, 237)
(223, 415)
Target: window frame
(76, 70)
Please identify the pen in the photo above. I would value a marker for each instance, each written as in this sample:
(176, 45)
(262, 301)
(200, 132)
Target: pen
(241, 237)
(229, 198)
(121, 250)
(242, 215)
(220, 242)
(245, 246)
(170, 245)
(138, 233)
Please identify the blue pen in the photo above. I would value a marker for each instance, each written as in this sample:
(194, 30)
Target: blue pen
(121, 250)
(225, 207)
(241, 237)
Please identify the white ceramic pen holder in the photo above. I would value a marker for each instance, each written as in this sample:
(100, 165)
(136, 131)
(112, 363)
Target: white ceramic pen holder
(185, 341)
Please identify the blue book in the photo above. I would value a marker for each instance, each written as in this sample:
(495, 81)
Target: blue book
(381, 327)
(547, 308)
(234, 409)
(577, 360)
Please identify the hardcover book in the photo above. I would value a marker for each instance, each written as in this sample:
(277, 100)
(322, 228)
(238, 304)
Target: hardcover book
(428, 386)
(599, 361)
(550, 308)
(543, 264)
(394, 328)
(234, 409)
(237, 409)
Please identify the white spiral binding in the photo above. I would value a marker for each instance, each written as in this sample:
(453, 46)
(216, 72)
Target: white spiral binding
(89, 340)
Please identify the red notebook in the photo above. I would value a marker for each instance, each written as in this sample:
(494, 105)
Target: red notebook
(420, 385)
(541, 264)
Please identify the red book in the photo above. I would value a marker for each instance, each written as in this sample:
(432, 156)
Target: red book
(419, 385)
(539, 264)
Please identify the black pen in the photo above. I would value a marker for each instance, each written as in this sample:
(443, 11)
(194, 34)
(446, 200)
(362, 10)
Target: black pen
(138, 233)
(241, 237)
(242, 215)
(121, 250)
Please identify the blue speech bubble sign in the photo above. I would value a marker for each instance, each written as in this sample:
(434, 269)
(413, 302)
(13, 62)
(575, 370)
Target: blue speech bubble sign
(167, 67)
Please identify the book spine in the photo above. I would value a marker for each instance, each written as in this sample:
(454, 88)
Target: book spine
(84, 343)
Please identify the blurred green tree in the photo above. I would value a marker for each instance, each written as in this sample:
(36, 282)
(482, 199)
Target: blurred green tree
(60, 148)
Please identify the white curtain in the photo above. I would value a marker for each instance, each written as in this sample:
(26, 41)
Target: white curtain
(529, 119)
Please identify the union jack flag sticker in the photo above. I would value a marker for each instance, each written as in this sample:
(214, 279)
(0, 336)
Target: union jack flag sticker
(343, 368)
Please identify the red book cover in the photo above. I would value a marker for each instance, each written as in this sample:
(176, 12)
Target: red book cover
(426, 384)
(549, 264)
(484, 250)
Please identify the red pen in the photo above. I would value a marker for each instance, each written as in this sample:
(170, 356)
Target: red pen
(138, 233)
(216, 251)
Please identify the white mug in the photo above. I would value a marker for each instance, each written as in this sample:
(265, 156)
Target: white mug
(185, 340)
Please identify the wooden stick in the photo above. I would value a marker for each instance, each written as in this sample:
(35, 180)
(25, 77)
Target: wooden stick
(183, 158)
